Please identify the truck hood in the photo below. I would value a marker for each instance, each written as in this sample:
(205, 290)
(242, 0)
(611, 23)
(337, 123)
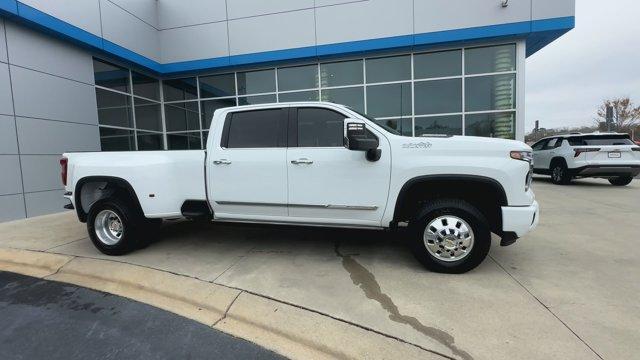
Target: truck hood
(458, 145)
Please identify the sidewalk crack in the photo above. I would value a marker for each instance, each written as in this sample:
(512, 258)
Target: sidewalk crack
(224, 316)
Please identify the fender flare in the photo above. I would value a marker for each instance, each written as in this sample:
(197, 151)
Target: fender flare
(120, 182)
(447, 177)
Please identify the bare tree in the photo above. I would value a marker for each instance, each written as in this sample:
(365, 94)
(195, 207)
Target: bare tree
(626, 116)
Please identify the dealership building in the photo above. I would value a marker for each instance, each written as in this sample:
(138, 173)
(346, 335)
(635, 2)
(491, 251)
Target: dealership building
(108, 75)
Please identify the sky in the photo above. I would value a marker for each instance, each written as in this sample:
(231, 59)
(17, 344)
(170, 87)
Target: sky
(599, 59)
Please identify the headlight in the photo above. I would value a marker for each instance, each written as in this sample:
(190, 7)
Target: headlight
(528, 157)
(522, 155)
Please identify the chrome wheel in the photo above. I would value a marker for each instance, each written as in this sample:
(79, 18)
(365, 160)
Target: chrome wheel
(108, 227)
(448, 238)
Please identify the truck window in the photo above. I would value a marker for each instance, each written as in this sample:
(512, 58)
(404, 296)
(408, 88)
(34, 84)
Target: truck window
(320, 128)
(255, 129)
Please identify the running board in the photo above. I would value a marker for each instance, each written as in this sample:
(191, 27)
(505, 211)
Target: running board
(196, 210)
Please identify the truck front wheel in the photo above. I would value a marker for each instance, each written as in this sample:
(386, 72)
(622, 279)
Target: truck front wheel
(114, 227)
(450, 236)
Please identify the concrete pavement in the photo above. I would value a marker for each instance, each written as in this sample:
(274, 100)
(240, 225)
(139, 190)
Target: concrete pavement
(568, 290)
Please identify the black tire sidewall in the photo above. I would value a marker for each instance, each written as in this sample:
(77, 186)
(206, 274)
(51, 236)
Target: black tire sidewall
(463, 210)
(129, 240)
(621, 180)
(565, 179)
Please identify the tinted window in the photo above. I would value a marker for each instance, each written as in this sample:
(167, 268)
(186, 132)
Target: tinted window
(500, 125)
(341, 73)
(447, 125)
(388, 69)
(551, 144)
(145, 86)
(389, 100)
(490, 59)
(256, 129)
(110, 76)
(208, 107)
(320, 128)
(440, 64)
(182, 116)
(255, 82)
(180, 89)
(539, 145)
(438, 96)
(150, 141)
(352, 97)
(148, 115)
(217, 85)
(116, 139)
(300, 77)
(600, 140)
(497, 92)
(113, 108)
(299, 96)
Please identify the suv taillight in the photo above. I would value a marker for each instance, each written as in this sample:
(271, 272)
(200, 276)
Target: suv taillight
(582, 150)
(63, 170)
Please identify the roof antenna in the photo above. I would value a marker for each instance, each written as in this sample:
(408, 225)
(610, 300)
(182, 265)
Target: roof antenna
(505, 3)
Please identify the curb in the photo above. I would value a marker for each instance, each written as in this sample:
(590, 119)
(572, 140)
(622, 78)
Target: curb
(286, 329)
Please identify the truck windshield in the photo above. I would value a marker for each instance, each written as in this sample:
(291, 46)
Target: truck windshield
(600, 140)
(382, 125)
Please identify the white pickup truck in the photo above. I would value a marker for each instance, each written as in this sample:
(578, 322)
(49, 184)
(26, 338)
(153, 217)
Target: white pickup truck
(314, 164)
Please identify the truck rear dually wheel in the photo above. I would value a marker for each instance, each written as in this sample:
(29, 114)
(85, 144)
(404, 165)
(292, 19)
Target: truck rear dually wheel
(115, 227)
(450, 236)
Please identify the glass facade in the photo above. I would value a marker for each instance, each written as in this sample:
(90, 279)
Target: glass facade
(465, 91)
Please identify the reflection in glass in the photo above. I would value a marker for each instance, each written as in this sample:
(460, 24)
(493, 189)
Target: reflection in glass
(389, 100)
(145, 86)
(257, 99)
(113, 108)
(352, 97)
(438, 96)
(184, 141)
(116, 139)
(500, 125)
(180, 89)
(255, 82)
(438, 64)
(148, 115)
(341, 73)
(299, 96)
(150, 141)
(208, 107)
(403, 126)
(389, 69)
(448, 125)
(182, 116)
(110, 76)
(299, 77)
(217, 85)
(496, 92)
(490, 59)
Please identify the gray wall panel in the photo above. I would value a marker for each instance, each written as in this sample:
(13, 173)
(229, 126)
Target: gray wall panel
(8, 141)
(84, 14)
(285, 31)
(362, 20)
(10, 180)
(46, 202)
(34, 50)
(6, 103)
(204, 41)
(173, 13)
(126, 30)
(3, 44)
(54, 137)
(50, 97)
(544, 9)
(11, 207)
(438, 15)
(244, 8)
(146, 10)
(41, 172)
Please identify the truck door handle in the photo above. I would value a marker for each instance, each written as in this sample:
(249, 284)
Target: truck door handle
(222, 162)
(302, 161)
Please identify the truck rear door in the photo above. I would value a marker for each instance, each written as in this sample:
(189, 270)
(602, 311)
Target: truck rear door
(247, 165)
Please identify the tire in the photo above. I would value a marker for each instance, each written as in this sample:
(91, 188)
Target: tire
(621, 180)
(560, 174)
(465, 258)
(106, 217)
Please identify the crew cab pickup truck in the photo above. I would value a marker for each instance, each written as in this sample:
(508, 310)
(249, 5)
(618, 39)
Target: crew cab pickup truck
(314, 164)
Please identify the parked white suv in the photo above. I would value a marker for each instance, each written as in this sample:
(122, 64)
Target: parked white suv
(604, 155)
(314, 164)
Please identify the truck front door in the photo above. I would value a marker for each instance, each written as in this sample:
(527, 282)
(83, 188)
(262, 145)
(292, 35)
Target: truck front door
(329, 183)
(247, 166)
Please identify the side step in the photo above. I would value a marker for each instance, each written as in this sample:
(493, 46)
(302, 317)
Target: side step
(196, 210)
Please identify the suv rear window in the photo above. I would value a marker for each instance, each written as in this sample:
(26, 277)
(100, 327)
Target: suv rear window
(600, 140)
